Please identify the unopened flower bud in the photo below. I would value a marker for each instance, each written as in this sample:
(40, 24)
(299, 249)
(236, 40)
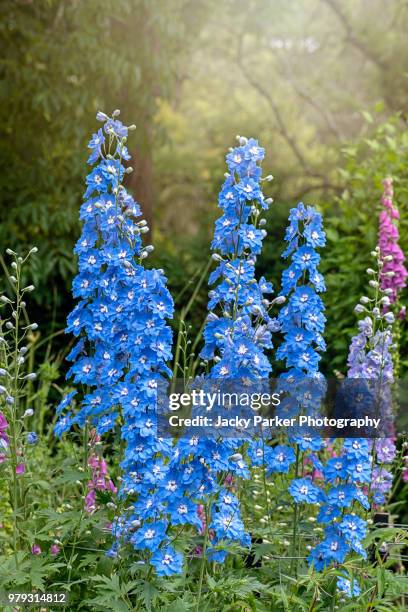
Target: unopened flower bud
(101, 116)
(281, 299)
(31, 376)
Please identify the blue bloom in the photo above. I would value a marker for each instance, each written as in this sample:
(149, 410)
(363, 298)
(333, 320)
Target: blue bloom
(32, 437)
(306, 258)
(96, 143)
(149, 536)
(348, 588)
(65, 402)
(304, 491)
(341, 495)
(328, 513)
(333, 549)
(359, 470)
(353, 527)
(280, 459)
(124, 340)
(334, 469)
(236, 334)
(167, 561)
(63, 425)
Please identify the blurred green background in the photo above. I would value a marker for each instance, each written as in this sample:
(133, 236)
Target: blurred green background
(321, 83)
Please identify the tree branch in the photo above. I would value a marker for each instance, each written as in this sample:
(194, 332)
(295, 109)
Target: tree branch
(312, 101)
(351, 35)
(266, 95)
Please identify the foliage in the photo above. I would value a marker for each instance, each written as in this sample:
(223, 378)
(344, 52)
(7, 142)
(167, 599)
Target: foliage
(352, 226)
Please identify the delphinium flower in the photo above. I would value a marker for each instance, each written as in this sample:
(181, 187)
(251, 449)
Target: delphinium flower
(237, 334)
(302, 320)
(347, 588)
(124, 341)
(302, 323)
(100, 480)
(352, 475)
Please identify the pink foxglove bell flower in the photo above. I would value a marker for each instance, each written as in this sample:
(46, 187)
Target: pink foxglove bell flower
(394, 272)
(20, 468)
(100, 480)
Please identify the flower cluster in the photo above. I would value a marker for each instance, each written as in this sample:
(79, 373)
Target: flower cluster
(237, 337)
(302, 323)
(353, 474)
(124, 341)
(237, 333)
(100, 480)
(346, 475)
(302, 319)
(394, 272)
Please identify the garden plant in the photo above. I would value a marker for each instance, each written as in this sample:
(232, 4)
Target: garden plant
(100, 503)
